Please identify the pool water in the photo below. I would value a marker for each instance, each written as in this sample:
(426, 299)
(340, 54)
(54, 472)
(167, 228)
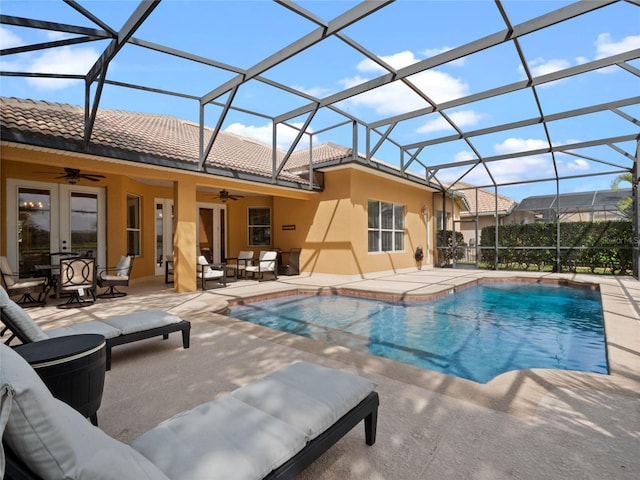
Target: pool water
(477, 333)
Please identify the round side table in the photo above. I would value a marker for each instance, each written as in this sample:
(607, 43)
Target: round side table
(73, 367)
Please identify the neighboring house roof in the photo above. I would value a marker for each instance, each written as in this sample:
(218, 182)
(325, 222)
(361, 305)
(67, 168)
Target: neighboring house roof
(165, 140)
(483, 202)
(596, 200)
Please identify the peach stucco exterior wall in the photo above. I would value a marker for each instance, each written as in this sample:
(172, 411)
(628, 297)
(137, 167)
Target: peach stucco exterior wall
(331, 228)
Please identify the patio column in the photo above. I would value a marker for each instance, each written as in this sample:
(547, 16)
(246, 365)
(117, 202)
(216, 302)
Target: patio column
(184, 239)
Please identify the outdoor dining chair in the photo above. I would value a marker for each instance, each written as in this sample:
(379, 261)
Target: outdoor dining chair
(25, 287)
(118, 276)
(77, 281)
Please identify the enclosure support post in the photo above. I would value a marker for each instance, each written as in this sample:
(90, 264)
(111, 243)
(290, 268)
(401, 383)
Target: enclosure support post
(635, 220)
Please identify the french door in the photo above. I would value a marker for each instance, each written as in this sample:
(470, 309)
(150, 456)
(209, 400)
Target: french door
(46, 218)
(211, 232)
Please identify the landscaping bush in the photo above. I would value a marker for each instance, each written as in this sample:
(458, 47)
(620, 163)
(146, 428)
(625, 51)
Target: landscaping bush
(591, 245)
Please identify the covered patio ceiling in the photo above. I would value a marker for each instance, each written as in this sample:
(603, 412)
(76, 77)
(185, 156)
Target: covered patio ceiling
(520, 92)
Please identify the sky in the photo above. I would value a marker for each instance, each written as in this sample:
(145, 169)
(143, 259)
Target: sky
(243, 33)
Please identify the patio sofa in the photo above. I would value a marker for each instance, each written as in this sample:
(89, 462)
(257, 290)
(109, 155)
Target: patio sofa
(117, 330)
(272, 428)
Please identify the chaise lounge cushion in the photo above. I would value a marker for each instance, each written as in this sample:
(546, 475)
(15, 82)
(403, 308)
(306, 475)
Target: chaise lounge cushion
(139, 321)
(213, 440)
(307, 396)
(21, 318)
(54, 440)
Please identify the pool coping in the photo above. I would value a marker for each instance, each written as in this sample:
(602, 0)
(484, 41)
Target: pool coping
(516, 392)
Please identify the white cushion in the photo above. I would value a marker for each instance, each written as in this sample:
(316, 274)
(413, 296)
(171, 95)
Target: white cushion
(122, 269)
(308, 396)
(139, 321)
(114, 278)
(225, 439)
(21, 318)
(94, 326)
(53, 439)
(211, 274)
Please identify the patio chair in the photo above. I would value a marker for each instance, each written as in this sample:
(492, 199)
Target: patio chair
(267, 263)
(239, 263)
(117, 330)
(272, 428)
(117, 276)
(211, 271)
(77, 281)
(25, 287)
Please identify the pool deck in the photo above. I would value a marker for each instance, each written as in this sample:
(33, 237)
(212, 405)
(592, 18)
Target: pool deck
(528, 424)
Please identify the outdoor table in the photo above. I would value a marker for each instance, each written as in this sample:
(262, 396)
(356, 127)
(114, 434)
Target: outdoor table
(73, 368)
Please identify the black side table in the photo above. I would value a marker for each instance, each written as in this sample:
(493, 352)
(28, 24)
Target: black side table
(73, 367)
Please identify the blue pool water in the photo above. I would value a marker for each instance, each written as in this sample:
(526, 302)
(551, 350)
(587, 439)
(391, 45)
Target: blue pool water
(477, 333)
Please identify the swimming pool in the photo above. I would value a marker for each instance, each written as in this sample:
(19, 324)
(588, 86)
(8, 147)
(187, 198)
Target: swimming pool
(477, 333)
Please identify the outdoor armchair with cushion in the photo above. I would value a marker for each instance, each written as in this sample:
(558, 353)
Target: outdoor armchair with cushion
(117, 330)
(239, 263)
(272, 428)
(113, 277)
(267, 263)
(25, 287)
(211, 271)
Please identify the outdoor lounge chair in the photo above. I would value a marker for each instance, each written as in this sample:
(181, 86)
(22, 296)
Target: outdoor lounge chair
(117, 330)
(267, 263)
(272, 428)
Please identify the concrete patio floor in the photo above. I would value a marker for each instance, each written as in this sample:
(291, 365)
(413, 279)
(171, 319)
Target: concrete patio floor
(528, 424)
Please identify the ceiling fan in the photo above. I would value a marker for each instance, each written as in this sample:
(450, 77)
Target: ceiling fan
(73, 175)
(224, 196)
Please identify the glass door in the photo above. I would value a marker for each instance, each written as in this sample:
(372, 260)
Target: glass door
(53, 218)
(164, 233)
(211, 231)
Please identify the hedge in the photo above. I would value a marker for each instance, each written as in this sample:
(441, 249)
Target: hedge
(590, 245)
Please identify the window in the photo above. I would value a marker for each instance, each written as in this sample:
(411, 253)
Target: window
(133, 225)
(386, 227)
(442, 220)
(259, 226)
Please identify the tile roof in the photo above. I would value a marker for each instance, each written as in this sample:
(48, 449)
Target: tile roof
(164, 140)
(152, 136)
(486, 201)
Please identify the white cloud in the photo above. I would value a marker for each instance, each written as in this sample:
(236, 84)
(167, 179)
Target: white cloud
(464, 155)
(463, 118)
(264, 134)
(62, 60)
(397, 61)
(605, 46)
(540, 66)
(432, 52)
(8, 39)
(513, 145)
(575, 165)
(316, 92)
(395, 98)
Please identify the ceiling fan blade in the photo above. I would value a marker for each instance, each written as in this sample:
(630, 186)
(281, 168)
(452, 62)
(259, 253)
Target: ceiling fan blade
(91, 176)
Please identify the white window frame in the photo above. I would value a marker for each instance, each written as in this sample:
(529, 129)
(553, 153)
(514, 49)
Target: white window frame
(134, 229)
(396, 230)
